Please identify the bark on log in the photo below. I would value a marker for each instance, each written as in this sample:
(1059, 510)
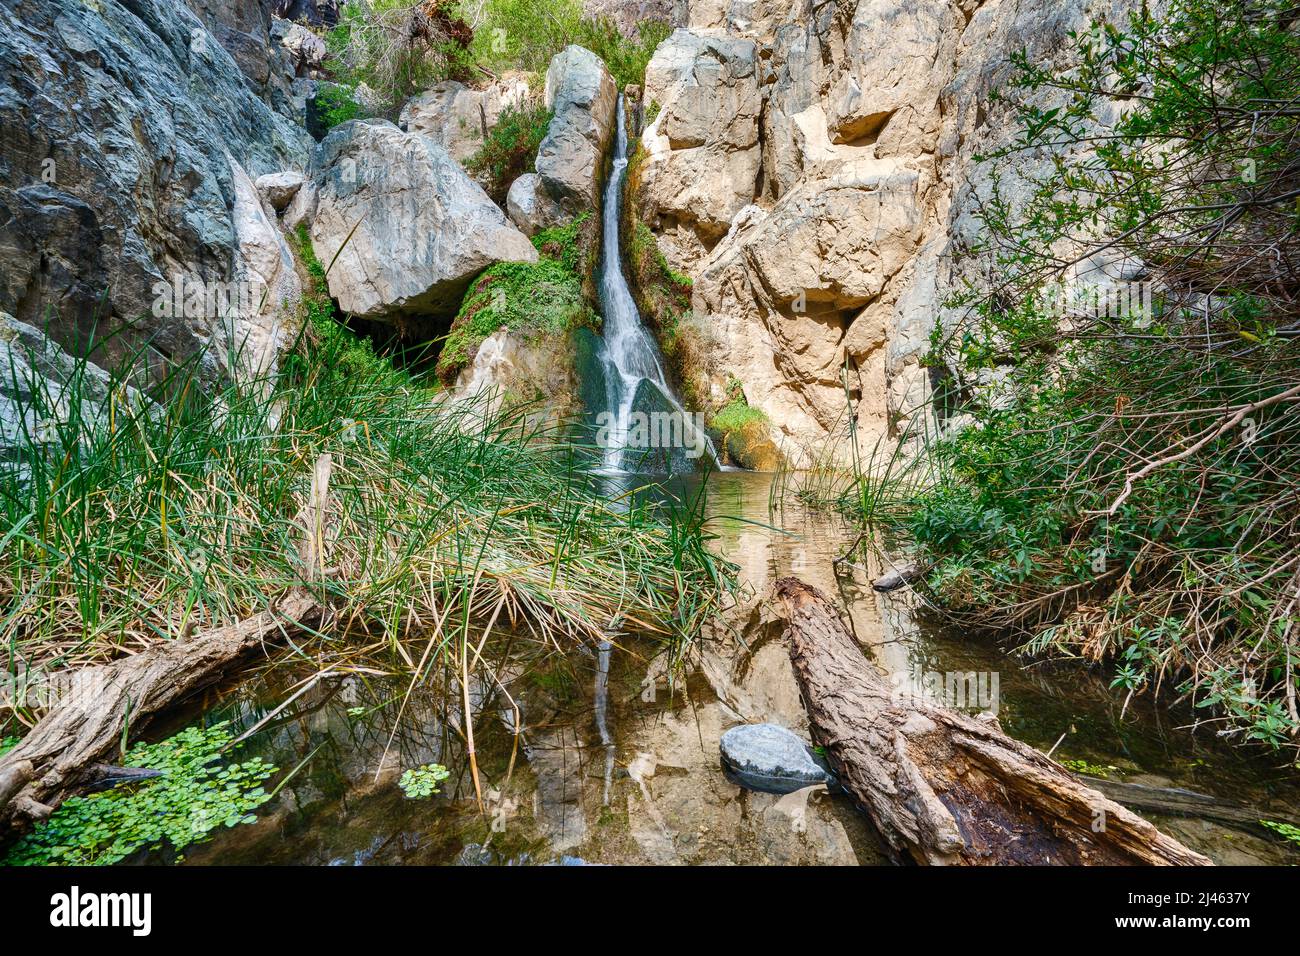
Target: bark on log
(57, 758)
(943, 787)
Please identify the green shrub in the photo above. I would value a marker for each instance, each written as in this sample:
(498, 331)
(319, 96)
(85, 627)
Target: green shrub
(510, 148)
(399, 47)
(1127, 492)
(526, 34)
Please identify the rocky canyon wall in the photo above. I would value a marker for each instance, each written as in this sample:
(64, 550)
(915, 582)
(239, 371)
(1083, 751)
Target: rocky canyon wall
(812, 165)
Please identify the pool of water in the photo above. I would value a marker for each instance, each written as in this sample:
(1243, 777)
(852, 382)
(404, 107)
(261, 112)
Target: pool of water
(594, 756)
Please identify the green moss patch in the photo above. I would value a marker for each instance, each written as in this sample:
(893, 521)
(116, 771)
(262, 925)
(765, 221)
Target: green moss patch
(531, 299)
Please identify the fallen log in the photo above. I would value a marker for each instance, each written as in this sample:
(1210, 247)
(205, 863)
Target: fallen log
(945, 788)
(64, 753)
(60, 756)
(1176, 801)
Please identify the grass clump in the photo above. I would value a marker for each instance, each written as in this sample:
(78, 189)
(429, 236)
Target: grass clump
(195, 795)
(510, 149)
(542, 299)
(130, 523)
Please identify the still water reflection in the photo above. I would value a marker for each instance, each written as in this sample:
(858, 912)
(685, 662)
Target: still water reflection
(594, 756)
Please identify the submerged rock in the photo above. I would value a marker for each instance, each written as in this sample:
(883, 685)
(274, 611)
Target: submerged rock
(771, 759)
(896, 578)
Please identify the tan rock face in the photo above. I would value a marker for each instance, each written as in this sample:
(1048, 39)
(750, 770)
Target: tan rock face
(702, 146)
(458, 118)
(812, 167)
(409, 227)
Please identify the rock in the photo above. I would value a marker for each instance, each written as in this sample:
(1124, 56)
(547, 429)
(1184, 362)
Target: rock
(306, 51)
(302, 208)
(409, 227)
(702, 152)
(34, 402)
(265, 266)
(771, 759)
(458, 118)
(117, 120)
(531, 207)
(279, 189)
(314, 12)
(790, 291)
(570, 160)
(897, 578)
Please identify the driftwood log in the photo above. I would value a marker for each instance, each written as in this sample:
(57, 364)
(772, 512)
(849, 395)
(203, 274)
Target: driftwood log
(941, 786)
(61, 755)
(64, 753)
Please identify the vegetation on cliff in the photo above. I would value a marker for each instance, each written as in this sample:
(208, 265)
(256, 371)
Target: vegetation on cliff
(545, 298)
(393, 49)
(1122, 483)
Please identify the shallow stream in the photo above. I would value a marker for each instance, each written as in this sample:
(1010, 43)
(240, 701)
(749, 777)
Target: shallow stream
(609, 766)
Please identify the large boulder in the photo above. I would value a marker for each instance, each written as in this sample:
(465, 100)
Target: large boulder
(702, 152)
(408, 226)
(584, 97)
(459, 118)
(118, 120)
(791, 292)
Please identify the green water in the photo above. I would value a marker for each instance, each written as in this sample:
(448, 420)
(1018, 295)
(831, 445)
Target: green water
(605, 765)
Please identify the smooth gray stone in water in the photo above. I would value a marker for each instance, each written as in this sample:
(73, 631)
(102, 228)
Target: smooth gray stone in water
(897, 578)
(771, 759)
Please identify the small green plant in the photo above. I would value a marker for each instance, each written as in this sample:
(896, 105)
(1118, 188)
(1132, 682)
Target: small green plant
(1284, 830)
(8, 743)
(419, 783)
(195, 795)
(510, 149)
(1082, 766)
(736, 416)
(336, 103)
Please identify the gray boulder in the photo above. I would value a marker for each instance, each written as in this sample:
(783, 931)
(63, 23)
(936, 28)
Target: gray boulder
(584, 96)
(117, 119)
(409, 227)
(279, 189)
(530, 206)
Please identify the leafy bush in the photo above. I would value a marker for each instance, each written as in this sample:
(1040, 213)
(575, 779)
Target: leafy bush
(1127, 486)
(526, 34)
(195, 795)
(510, 148)
(399, 47)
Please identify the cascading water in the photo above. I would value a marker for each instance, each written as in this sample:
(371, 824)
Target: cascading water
(630, 357)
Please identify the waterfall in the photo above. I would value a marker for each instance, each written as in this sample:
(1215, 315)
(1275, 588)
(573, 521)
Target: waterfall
(630, 356)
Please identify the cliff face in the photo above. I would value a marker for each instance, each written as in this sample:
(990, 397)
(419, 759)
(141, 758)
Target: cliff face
(811, 163)
(130, 136)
